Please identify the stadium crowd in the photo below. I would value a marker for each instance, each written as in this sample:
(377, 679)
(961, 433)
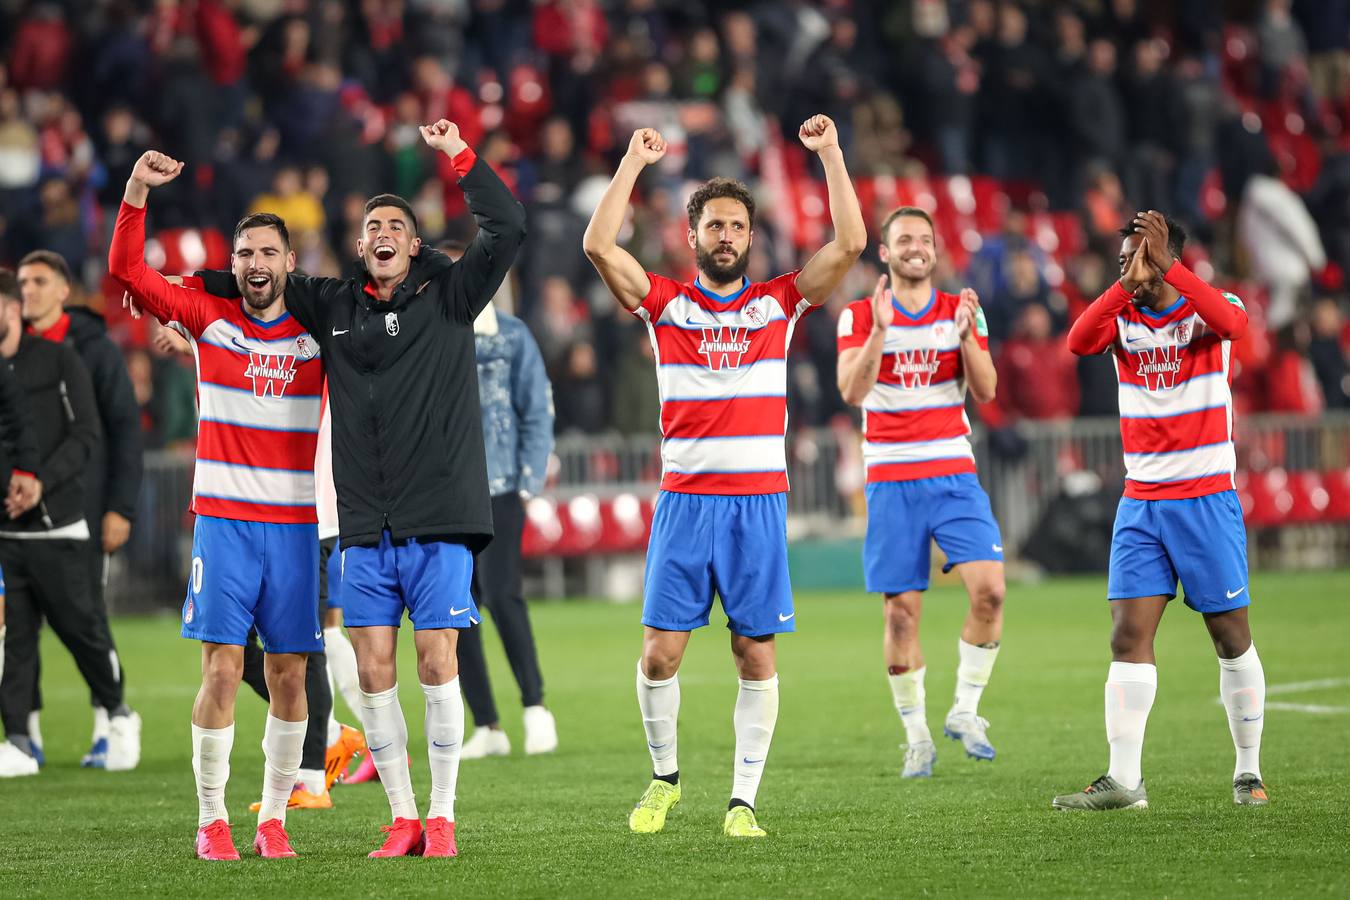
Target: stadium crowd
(1008, 119)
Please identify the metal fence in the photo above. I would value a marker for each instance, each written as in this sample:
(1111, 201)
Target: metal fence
(1030, 473)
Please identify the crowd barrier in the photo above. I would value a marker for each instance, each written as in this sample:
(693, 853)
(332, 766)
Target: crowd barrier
(1053, 488)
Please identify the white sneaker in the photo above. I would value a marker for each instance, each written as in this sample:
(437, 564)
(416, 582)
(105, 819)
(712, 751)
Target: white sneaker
(486, 742)
(124, 743)
(14, 763)
(541, 732)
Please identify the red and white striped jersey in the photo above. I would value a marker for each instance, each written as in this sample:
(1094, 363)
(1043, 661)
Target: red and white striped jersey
(721, 366)
(325, 491)
(914, 418)
(1176, 404)
(259, 391)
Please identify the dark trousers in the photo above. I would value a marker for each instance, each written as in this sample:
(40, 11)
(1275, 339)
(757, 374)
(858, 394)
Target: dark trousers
(98, 582)
(318, 699)
(50, 579)
(496, 590)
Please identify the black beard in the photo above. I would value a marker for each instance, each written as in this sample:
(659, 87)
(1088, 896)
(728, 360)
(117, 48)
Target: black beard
(719, 274)
(274, 290)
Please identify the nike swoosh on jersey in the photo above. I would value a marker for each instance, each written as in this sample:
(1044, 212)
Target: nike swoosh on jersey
(1232, 594)
(458, 612)
(343, 331)
(783, 618)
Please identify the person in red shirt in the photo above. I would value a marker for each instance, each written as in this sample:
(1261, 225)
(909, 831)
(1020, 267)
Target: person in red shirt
(1037, 375)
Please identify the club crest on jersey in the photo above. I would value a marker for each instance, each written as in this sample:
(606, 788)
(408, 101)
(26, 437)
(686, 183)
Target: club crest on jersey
(391, 323)
(189, 612)
(1158, 366)
(724, 346)
(755, 313)
(916, 368)
(271, 373)
(1184, 333)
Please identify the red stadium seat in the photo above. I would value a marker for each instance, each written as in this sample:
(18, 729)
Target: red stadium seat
(542, 529)
(1263, 488)
(1337, 484)
(1309, 496)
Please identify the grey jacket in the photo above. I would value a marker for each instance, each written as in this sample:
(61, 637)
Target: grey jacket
(517, 403)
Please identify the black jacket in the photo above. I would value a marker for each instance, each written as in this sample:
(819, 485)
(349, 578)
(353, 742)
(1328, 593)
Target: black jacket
(403, 380)
(113, 480)
(18, 444)
(65, 425)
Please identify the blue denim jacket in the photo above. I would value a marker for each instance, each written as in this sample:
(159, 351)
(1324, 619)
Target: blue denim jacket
(517, 402)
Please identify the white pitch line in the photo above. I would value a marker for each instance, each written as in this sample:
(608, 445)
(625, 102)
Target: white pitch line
(1314, 708)
(1295, 687)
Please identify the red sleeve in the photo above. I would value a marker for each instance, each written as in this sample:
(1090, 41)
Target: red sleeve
(463, 161)
(1226, 319)
(784, 290)
(126, 263)
(1095, 329)
(662, 291)
(855, 325)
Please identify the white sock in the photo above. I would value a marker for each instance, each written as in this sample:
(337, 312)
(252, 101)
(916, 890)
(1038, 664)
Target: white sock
(445, 737)
(756, 714)
(659, 702)
(35, 727)
(342, 667)
(334, 726)
(1242, 685)
(2, 650)
(211, 769)
(387, 737)
(100, 723)
(315, 781)
(283, 744)
(907, 690)
(975, 664)
(1130, 688)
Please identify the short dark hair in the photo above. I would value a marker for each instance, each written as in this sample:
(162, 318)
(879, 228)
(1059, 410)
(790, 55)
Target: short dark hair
(903, 211)
(1176, 235)
(263, 220)
(9, 285)
(716, 188)
(393, 200)
(52, 260)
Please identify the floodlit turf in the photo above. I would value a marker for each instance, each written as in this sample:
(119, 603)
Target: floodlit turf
(840, 821)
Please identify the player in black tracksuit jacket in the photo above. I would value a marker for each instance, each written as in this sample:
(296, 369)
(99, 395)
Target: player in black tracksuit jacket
(408, 461)
(43, 550)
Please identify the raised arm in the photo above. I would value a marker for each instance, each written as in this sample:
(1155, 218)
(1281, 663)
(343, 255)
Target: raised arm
(501, 224)
(126, 256)
(619, 270)
(822, 274)
(1096, 329)
(860, 363)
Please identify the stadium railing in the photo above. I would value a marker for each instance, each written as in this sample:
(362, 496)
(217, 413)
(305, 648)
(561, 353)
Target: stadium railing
(1053, 488)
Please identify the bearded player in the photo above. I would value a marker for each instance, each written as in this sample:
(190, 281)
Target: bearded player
(255, 543)
(908, 356)
(721, 521)
(1171, 335)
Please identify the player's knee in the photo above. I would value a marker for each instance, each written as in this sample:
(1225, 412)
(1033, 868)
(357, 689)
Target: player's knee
(1128, 641)
(222, 672)
(287, 680)
(987, 601)
(902, 620)
(659, 664)
(437, 671)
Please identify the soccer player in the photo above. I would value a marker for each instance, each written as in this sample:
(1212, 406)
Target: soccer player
(409, 466)
(1171, 335)
(907, 356)
(255, 543)
(721, 521)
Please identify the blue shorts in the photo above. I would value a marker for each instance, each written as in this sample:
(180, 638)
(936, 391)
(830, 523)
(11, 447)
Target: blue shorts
(430, 579)
(905, 517)
(1200, 540)
(254, 575)
(735, 546)
(330, 573)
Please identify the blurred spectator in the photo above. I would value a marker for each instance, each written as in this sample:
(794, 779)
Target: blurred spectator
(1290, 383)
(1281, 241)
(557, 321)
(579, 394)
(1037, 375)
(1011, 116)
(288, 198)
(1329, 352)
(20, 155)
(636, 402)
(1281, 42)
(41, 47)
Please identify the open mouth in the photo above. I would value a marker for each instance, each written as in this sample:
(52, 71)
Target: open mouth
(916, 260)
(259, 281)
(384, 253)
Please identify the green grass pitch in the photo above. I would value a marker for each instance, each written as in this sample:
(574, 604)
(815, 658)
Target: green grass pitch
(841, 823)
